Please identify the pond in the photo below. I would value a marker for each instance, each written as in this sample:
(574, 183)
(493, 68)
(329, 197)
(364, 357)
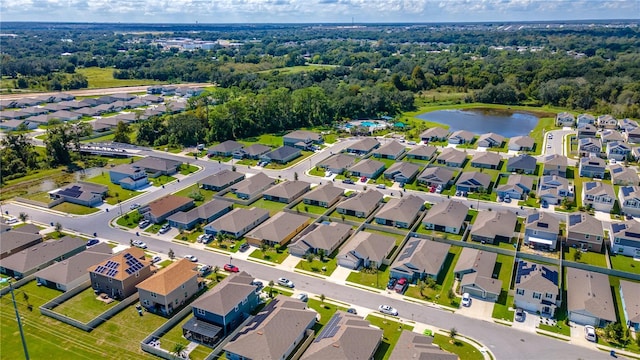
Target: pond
(479, 121)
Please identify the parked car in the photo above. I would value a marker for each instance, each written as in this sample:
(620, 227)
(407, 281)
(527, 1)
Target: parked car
(204, 269)
(134, 206)
(92, 242)
(352, 311)
(363, 179)
(507, 199)
(391, 283)
(411, 143)
(164, 229)
(386, 309)
(191, 258)
(156, 259)
(381, 186)
(11, 220)
(285, 282)
(347, 181)
(144, 223)
(466, 300)
(302, 297)
(458, 193)
(590, 333)
(244, 247)
(231, 268)
(139, 244)
(400, 285)
(257, 284)
(520, 315)
(201, 237)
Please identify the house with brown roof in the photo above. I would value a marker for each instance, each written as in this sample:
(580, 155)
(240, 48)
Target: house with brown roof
(434, 134)
(252, 186)
(585, 232)
(521, 143)
(537, 288)
(279, 229)
(18, 239)
(494, 227)
(324, 195)
(169, 288)
(286, 191)
(221, 180)
(361, 205)
(67, 274)
(368, 168)
(325, 237)
(238, 222)
(490, 140)
(118, 276)
(274, 333)
(159, 210)
(412, 345)
(156, 166)
(363, 146)
(32, 259)
(418, 259)
(337, 163)
(391, 150)
(204, 213)
(423, 152)
(365, 249)
(401, 213)
(589, 298)
(475, 271)
(402, 172)
(452, 157)
(436, 176)
(486, 160)
(630, 298)
(447, 216)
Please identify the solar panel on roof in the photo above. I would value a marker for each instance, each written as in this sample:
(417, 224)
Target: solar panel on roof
(617, 227)
(575, 219)
(632, 234)
(543, 225)
(128, 256)
(128, 271)
(331, 329)
(533, 217)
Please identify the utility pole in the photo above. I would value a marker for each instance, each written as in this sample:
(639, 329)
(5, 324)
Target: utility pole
(15, 307)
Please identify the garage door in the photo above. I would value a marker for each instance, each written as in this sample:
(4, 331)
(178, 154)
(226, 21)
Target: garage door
(582, 319)
(473, 292)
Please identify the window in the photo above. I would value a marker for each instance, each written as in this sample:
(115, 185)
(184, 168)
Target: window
(548, 296)
(235, 308)
(154, 295)
(520, 291)
(185, 294)
(200, 312)
(176, 301)
(244, 301)
(586, 236)
(617, 241)
(537, 295)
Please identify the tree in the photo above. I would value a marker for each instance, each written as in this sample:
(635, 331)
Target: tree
(271, 283)
(422, 286)
(431, 283)
(58, 228)
(264, 247)
(171, 254)
(23, 216)
(122, 133)
(577, 255)
(322, 299)
(295, 176)
(177, 350)
(277, 248)
(216, 270)
(310, 257)
(321, 254)
(453, 333)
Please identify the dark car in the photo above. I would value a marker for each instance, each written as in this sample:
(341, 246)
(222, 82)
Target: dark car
(244, 247)
(352, 311)
(92, 242)
(391, 283)
(347, 181)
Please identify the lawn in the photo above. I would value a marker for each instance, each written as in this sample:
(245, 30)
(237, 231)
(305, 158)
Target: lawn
(461, 348)
(130, 219)
(42, 197)
(229, 244)
(264, 139)
(194, 189)
(313, 209)
(375, 279)
(273, 206)
(84, 306)
(325, 310)
(444, 282)
(186, 169)
(501, 307)
(337, 216)
(103, 138)
(315, 171)
(625, 263)
(270, 255)
(116, 192)
(439, 234)
(190, 236)
(588, 257)
(276, 166)
(161, 180)
(74, 209)
(317, 266)
(391, 334)
(531, 202)
(103, 78)
(174, 336)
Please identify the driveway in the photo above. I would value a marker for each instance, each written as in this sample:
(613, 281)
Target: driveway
(529, 324)
(479, 309)
(577, 336)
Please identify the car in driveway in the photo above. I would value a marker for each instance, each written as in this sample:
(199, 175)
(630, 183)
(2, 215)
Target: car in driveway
(231, 268)
(285, 282)
(144, 223)
(191, 258)
(381, 186)
(363, 179)
(92, 242)
(391, 283)
(139, 244)
(302, 297)
(352, 311)
(401, 285)
(204, 269)
(12, 220)
(164, 229)
(347, 181)
(244, 247)
(520, 315)
(590, 333)
(258, 284)
(155, 259)
(386, 309)
(466, 300)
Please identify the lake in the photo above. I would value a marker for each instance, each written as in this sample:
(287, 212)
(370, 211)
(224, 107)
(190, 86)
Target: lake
(504, 122)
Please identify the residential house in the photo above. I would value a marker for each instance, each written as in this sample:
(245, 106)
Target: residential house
(302, 139)
(205, 213)
(159, 210)
(489, 140)
(618, 150)
(436, 176)
(627, 125)
(14, 125)
(281, 155)
(630, 298)
(254, 152)
(81, 193)
(422, 152)
(523, 164)
(238, 222)
(361, 205)
(494, 227)
(368, 168)
(554, 164)
(624, 176)
(518, 187)
(474, 269)
(349, 337)
(565, 119)
(419, 259)
(286, 191)
(537, 288)
(402, 172)
(170, 288)
(586, 119)
(321, 237)
(16, 240)
(65, 116)
(364, 146)
(598, 195)
(391, 150)
(541, 231)
(589, 298)
(461, 137)
(129, 177)
(66, 274)
(589, 147)
(252, 186)
(401, 212)
(158, 166)
(222, 309)
(585, 231)
(586, 131)
(607, 122)
(221, 180)
(635, 153)
(633, 135)
(447, 216)
(225, 148)
(281, 228)
(452, 157)
(412, 345)
(434, 134)
(274, 333)
(473, 181)
(609, 135)
(592, 167)
(486, 160)
(366, 250)
(118, 276)
(337, 163)
(521, 143)
(629, 200)
(625, 239)
(324, 195)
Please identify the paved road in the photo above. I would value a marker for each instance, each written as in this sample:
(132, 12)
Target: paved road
(92, 92)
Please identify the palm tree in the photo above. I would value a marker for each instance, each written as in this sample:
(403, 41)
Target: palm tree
(421, 287)
(23, 216)
(271, 283)
(453, 333)
(264, 247)
(322, 298)
(58, 227)
(177, 350)
(215, 271)
(171, 254)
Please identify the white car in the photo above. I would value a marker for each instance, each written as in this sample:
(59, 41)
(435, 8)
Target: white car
(590, 333)
(164, 229)
(285, 282)
(386, 309)
(139, 244)
(12, 220)
(302, 297)
(156, 259)
(191, 258)
(466, 299)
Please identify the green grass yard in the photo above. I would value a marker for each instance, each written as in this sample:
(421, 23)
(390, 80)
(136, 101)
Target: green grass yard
(84, 306)
(588, 257)
(116, 192)
(161, 180)
(444, 282)
(439, 234)
(625, 263)
(312, 209)
(174, 336)
(103, 78)
(74, 209)
(270, 255)
(461, 348)
(375, 279)
(316, 266)
(391, 333)
(337, 216)
(207, 194)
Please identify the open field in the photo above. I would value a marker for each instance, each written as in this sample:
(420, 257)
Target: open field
(103, 78)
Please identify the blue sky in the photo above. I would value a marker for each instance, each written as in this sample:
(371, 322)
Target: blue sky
(314, 11)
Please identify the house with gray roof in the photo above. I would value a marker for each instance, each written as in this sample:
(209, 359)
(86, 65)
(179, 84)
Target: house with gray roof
(365, 249)
(624, 176)
(627, 124)
(618, 150)
(625, 239)
(67, 274)
(588, 146)
(473, 181)
(608, 136)
(238, 222)
(325, 237)
(337, 163)
(156, 166)
(635, 153)
(324, 195)
(401, 213)
(494, 227)
(254, 152)
(28, 261)
(274, 333)
(412, 345)
(584, 119)
(402, 172)
(517, 187)
(279, 229)
(452, 157)
(391, 150)
(205, 213)
(447, 216)
(281, 155)
(461, 137)
(252, 186)
(17, 239)
(350, 337)
(160, 209)
(489, 140)
(368, 168)
(221, 180)
(486, 160)
(598, 195)
(607, 122)
(419, 259)
(586, 131)
(541, 230)
(630, 298)
(422, 152)
(585, 232)
(13, 125)
(81, 193)
(302, 139)
(286, 191)
(434, 134)
(363, 146)
(554, 164)
(537, 288)
(436, 176)
(553, 189)
(64, 115)
(523, 163)
(589, 298)
(629, 198)
(633, 135)
(361, 205)
(592, 167)
(128, 176)
(225, 148)
(521, 143)
(474, 269)
(565, 119)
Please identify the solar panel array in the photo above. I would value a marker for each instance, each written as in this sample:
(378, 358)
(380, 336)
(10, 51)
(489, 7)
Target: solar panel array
(100, 269)
(575, 219)
(73, 192)
(533, 217)
(617, 227)
(331, 329)
(134, 264)
(543, 225)
(550, 275)
(590, 185)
